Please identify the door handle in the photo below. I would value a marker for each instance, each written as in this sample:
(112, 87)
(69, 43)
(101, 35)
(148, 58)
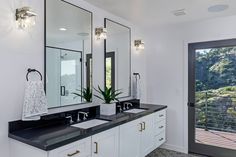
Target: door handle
(73, 154)
(63, 91)
(96, 148)
(141, 127)
(161, 127)
(144, 126)
(162, 115)
(161, 139)
(191, 104)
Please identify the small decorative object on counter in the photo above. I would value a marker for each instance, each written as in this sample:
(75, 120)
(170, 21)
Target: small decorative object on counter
(108, 95)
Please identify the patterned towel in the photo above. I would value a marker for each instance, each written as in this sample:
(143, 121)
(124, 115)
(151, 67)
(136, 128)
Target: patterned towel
(35, 102)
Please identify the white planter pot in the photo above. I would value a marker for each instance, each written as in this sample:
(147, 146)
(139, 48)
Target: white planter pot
(108, 109)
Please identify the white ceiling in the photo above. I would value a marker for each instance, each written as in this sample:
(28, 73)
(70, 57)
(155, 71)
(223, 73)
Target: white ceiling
(149, 13)
(63, 15)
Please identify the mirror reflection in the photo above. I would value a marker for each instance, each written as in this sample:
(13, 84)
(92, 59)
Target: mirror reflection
(118, 57)
(68, 53)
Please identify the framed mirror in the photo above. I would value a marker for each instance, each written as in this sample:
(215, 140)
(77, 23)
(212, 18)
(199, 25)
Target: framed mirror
(118, 57)
(68, 53)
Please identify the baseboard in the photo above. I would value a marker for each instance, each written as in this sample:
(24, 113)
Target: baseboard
(174, 148)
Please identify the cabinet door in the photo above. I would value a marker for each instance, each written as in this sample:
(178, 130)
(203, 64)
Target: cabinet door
(147, 137)
(106, 144)
(130, 135)
(80, 148)
(160, 139)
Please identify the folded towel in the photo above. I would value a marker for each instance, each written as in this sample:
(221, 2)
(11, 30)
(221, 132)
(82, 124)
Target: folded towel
(35, 102)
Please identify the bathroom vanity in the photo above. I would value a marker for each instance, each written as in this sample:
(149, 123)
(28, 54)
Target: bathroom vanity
(133, 133)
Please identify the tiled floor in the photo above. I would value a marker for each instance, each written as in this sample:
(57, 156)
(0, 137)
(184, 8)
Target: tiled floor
(168, 153)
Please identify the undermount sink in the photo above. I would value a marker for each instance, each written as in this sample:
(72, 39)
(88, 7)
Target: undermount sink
(90, 123)
(135, 110)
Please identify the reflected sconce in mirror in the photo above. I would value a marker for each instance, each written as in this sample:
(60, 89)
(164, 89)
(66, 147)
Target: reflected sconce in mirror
(25, 17)
(139, 44)
(101, 33)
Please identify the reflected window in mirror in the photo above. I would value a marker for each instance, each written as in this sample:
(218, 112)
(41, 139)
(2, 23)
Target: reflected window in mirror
(118, 57)
(68, 53)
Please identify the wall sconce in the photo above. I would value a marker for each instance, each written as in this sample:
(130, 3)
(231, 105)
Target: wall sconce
(100, 33)
(139, 44)
(25, 17)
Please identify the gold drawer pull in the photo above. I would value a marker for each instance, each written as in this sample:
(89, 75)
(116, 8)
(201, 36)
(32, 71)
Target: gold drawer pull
(96, 148)
(161, 127)
(73, 154)
(141, 127)
(161, 139)
(144, 126)
(161, 115)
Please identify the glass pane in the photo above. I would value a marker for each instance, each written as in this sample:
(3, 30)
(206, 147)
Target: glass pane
(71, 76)
(215, 97)
(53, 77)
(108, 72)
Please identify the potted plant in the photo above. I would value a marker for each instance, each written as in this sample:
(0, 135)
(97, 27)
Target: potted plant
(85, 93)
(108, 96)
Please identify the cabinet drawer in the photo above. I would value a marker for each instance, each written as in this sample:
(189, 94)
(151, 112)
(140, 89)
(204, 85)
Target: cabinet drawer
(160, 115)
(160, 127)
(160, 139)
(80, 148)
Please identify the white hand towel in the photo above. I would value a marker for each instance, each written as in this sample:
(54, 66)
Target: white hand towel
(137, 87)
(35, 102)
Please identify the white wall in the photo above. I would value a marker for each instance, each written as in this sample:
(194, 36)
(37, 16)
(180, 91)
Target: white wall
(167, 54)
(20, 50)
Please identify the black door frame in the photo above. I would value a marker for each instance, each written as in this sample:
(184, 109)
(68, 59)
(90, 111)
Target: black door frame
(89, 58)
(192, 146)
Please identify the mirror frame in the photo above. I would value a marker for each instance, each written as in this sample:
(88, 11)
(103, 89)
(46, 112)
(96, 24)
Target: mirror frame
(130, 54)
(45, 50)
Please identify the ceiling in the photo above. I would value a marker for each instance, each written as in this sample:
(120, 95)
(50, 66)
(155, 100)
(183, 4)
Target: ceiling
(151, 13)
(61, 15)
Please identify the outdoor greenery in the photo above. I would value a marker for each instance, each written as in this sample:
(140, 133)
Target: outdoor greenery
(216, 88)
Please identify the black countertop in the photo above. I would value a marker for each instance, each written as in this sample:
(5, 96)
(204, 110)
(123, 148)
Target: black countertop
(52, 137)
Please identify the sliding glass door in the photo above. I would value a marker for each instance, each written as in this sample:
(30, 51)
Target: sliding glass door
(212, 98)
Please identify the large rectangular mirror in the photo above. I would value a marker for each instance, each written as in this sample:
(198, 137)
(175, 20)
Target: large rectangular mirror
(118, 57)
(68, 53)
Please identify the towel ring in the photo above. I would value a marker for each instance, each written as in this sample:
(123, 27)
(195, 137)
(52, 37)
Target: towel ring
(33, 70)
(137, 75)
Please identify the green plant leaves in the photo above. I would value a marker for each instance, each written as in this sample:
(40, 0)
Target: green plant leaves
(86, 94)
(108, 95)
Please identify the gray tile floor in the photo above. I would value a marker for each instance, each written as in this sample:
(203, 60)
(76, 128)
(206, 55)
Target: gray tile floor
(169, 153)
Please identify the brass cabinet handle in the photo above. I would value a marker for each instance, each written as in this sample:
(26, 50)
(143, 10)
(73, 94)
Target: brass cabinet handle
(161, 139)
(161, 127)
(76, 152)
(144, 125)
(96, 148)
(141, 128)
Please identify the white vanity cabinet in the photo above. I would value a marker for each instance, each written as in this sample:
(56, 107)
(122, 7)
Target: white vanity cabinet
(130, 138)
(81, 148)
(160, 128)
(106, 144)
(136, 137)
(147, 140)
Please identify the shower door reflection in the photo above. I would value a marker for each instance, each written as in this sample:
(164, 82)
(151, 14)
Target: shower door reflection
(71, 76)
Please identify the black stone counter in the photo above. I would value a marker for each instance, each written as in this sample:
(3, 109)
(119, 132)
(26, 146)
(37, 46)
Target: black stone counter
(50, 137)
